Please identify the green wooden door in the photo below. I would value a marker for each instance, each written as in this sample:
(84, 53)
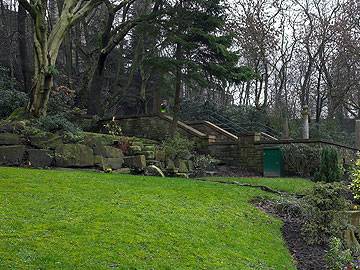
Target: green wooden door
(273, 162)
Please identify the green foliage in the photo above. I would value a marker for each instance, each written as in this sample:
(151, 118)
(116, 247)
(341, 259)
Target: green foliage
(6, 82)
(177, 147)
(73, 137)
(355, 183)
(330, 168)
(199, 30)
(10, 98)
(52, 70)
(18, 114)
(302, 159)
(203, 163)
(324, 215)
(61, 101)
(56, 123)
(337, 258)
(112, 128)
(290, 207)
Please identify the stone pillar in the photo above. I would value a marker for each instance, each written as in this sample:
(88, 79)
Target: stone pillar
(305, 117)
(357, 134)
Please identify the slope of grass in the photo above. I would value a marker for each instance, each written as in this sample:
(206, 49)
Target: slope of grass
(88, 220)
(291, 185)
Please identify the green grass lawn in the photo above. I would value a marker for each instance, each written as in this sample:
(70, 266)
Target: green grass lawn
(87, 220)
(291, 185)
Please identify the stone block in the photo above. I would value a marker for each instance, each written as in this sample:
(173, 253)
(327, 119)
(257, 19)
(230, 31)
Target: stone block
(160, 155)
(74, 155)
(137, 143)
(112, 163)
(12, 155)
(170, 165)
(123, 171)
(40, 158)
(149, 154)
(181, 165)
(135, 162)
(107, 151)
(190, 166)
(9, 139)
(149, 147)
(46, 141)
(95, 139)
(134, 149)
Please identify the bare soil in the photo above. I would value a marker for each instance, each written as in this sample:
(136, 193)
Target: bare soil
(306, 257)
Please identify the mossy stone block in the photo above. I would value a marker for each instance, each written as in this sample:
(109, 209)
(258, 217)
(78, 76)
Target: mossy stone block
(108, 151)
(9, 139)
(74, 155)
(40, 158)
(149, 154)
(135, 162)
(134, 149)
(160, 155)
(181, 165)
(149, 147)
(46, 141)
(12, 155)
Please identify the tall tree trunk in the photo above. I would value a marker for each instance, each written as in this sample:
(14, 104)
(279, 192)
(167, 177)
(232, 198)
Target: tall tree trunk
(44, 68)
(94, 99)
(47, 45)
(177, 98)
(68, 56)
(24, 57)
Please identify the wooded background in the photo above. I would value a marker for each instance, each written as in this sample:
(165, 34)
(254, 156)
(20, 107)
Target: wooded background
(250, 60)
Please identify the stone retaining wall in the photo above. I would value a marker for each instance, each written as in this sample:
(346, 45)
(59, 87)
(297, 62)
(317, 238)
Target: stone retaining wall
(243, 154)
(247, 153)
(347, 153)
(211, 129)
(157, 127)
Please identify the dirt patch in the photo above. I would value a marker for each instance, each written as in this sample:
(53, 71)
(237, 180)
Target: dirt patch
(307, 257)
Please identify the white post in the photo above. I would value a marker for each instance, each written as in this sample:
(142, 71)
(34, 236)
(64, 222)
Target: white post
(305, 117)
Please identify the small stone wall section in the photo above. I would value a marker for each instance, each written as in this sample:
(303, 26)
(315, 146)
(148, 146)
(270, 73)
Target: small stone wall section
(243, 154)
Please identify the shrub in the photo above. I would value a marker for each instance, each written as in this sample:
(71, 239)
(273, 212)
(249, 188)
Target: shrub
(10, 98)
(289, 207)
(330, 168)
(355, 184)
(54, 123)
(324, 214)
(203, 163)
(112, 128)
(61, 100)
(337, 258)
(177, 147)
(302, 159)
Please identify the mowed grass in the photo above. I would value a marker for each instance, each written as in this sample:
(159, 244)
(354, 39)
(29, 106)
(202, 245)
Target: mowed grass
(88, 220)
(291, 185)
